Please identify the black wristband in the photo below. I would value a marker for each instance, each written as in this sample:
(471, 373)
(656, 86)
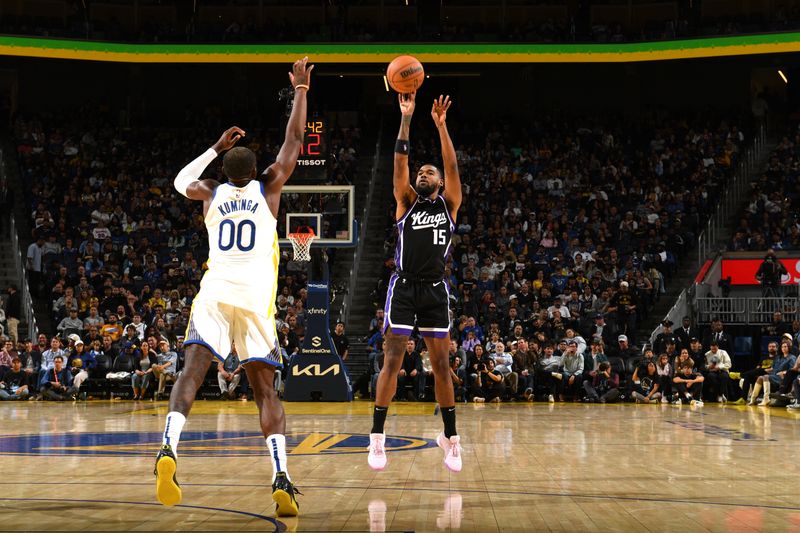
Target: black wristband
(401, 146)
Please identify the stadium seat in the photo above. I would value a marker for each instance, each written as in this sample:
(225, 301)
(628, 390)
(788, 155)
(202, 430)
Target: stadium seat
(618, 366)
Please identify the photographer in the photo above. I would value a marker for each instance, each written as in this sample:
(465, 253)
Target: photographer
(489, 384)
(769, 275)
(604, 386)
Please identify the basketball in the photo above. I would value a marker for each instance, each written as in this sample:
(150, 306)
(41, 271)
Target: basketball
(405, 74)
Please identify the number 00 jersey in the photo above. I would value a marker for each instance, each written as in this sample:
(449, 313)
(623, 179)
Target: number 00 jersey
(243, 249)
(423, 240)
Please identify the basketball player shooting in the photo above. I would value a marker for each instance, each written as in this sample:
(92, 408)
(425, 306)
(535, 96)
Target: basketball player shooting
(236, 301)
(418, 295)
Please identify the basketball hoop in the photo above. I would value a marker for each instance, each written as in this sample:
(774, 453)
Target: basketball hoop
(301, 244)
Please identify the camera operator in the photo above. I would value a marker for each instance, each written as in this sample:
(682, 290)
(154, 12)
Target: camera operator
(769, 275)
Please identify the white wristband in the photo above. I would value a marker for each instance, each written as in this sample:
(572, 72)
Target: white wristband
(192, 172)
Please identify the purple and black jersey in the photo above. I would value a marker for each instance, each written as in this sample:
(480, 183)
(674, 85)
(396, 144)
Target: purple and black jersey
(424, 237)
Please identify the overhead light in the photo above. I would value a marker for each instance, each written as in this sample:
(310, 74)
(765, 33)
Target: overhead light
(783, 76)
(386, 83)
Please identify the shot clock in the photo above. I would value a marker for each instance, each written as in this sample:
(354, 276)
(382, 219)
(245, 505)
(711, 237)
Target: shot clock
(312, 162)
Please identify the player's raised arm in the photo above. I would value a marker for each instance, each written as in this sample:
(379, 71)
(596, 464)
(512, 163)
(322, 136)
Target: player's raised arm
(277, 173)
(188, 183)
(452, 179)
(404, 193)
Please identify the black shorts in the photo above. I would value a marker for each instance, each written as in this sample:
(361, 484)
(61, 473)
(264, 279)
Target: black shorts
(423, 304)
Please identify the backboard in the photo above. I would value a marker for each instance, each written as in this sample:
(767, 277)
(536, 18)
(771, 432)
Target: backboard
(328, 209)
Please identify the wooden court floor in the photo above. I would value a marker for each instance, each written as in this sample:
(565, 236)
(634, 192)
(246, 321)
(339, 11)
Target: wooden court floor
(88, 467)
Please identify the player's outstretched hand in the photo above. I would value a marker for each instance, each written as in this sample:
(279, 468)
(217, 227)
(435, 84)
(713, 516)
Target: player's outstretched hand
(407, 103)
(439, 109)
(228, 139)
(301, 73)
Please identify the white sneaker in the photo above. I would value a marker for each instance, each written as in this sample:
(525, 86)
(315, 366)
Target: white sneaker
(664, 399)
(793, 406)
(677, 402)
(720, 400)
(452, 451)
(698, 403)
(377, 452)
(550, 398)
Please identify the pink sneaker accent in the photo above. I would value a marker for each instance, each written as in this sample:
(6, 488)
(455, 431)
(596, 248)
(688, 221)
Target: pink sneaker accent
(452, 451)
(377, 452)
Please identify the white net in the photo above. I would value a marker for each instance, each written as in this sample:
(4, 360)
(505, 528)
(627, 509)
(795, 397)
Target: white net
(301, 243)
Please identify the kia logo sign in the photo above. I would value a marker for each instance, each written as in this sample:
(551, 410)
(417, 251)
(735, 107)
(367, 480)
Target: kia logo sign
(316, 342)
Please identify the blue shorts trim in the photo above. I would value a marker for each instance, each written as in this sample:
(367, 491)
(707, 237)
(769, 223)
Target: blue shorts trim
(205, 345)
(279, 366)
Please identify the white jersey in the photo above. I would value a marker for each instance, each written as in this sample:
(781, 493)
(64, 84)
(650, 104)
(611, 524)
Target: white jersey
(243, 249)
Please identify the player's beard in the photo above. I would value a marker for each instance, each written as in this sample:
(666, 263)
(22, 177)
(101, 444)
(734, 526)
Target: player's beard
(426, 190)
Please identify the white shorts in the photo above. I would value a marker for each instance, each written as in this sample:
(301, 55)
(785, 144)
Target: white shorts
(215, 324)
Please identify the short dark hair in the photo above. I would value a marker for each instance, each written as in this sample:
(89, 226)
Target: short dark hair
(238, 163)
(56, 358)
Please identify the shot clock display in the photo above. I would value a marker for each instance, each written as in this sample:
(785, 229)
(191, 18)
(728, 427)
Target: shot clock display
(312, 162)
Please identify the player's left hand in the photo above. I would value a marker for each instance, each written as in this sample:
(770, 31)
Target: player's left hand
(301, 73)
(439, 110)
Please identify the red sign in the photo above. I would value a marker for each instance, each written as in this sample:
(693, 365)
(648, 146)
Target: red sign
(743, 271)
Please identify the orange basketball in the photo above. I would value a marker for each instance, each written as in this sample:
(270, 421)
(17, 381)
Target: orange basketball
(405, 74)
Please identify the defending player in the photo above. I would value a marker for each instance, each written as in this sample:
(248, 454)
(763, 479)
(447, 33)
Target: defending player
(237, 294)
(418, 295)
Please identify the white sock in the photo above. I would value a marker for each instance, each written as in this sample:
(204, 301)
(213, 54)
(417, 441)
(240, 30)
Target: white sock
(276, 444)
(172, 430)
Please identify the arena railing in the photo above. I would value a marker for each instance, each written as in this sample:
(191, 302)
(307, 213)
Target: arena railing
(732, 198)
(746, 311)
(363, 229)
(22, 277)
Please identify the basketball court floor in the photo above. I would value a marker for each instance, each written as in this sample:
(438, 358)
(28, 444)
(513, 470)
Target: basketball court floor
(89, 467)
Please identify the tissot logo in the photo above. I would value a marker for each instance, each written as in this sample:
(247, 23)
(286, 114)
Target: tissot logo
(315, 311)
(316, 370)
(427, 220)
(316, 342)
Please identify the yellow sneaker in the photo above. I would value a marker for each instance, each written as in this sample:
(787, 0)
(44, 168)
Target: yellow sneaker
(283, 495)
(168, 491)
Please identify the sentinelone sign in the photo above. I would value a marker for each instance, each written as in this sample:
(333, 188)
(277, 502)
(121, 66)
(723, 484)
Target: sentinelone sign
(383, 53)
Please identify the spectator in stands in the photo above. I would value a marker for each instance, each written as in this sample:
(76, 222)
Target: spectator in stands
(139, 326)
(14, 383)
(603, 331)
(166, 367)
(603, 386)
(80, 362)
(647, 387)
(665, 374)
(56, 383)
(340, 341)
(426, 374)
(142, 371)
(229, 374)
(769, 274)
(13, 309)
(783, 362)
(716, 372)
(31, 359)
(750, 377)
(93, 320)
(376, 323)
(457, 374)
(409, 375)
(624, 350)
(549, 366)
(689, 386)
(685, 333)
(571, 372)
(7, 353)
(625, 305)
(503, 364)
(776, 328)
(592, 360)
(716, 333)
(488, 384)
(666, 335)
(70, 325)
